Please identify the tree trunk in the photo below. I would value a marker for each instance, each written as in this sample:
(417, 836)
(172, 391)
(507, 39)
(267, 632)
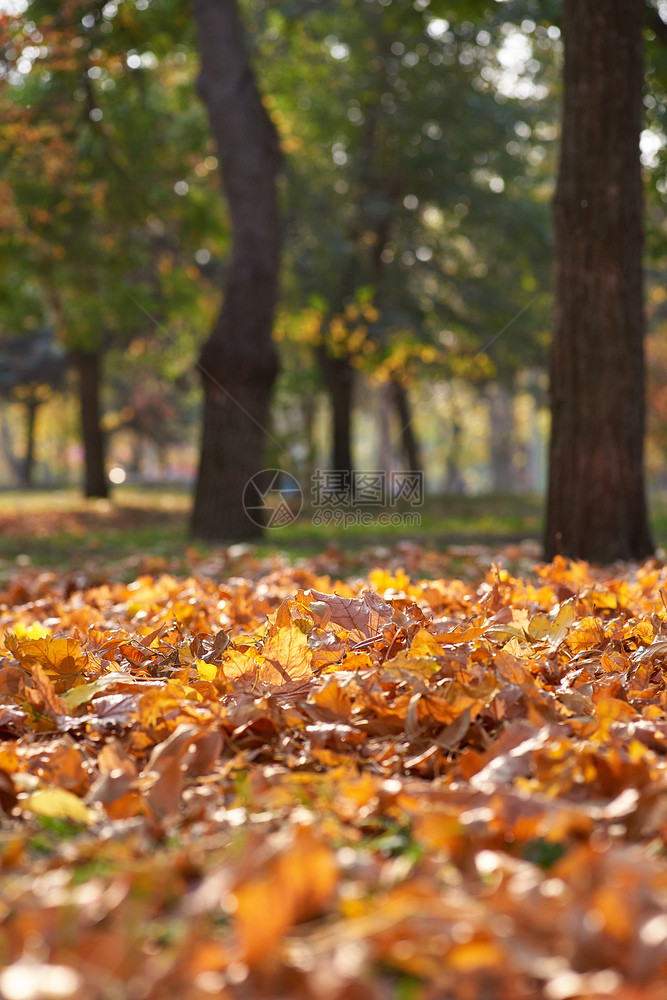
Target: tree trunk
(596, 506)
(28, 465)
(409, 442)
(13, 462)
(88, 366)
(238, 362)
(383, 407)
(308, 405)
(502, 437)
(455, 483)
(338, 376)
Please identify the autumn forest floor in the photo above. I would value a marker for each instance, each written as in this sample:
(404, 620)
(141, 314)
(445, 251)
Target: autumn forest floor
(338, 766)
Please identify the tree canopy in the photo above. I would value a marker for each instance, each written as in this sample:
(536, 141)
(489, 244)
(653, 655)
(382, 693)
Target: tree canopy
(418, 165)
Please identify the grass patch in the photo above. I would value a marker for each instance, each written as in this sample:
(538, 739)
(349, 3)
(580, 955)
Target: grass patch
(145, 529)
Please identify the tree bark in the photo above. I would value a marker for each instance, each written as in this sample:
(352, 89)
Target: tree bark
(28, 465)
(502, 437)
(14, 463)
(238, 362)
(455, 483)
(409, 443)
(596, 506)
(338, 376)
(88, 368)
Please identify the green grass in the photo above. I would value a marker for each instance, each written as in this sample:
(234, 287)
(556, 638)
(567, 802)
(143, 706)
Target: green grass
(59, 527)
(146, 529)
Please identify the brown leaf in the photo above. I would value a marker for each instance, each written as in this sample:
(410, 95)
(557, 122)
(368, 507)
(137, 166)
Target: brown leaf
(363, 615)
(43, 696)
(8, 793)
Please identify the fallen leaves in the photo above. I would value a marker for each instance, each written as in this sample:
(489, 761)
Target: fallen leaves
(281, 784)
(57, 803)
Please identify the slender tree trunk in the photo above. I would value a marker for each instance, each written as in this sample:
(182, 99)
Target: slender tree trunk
(308, 406)
(502, 437)
(596, 506)
(28, 469)
(238, 362)
(338, 376)
(12, 460)
(409, 442)
(383, 407)
(88, 368)
(455, 483)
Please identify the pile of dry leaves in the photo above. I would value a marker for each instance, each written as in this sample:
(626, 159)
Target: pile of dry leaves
(281, 784)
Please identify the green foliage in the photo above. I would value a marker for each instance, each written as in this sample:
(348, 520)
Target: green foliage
(419, 144)
(655, 155)
(415, 170)
(105, 160)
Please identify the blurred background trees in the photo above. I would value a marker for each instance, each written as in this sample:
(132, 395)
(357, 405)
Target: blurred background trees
(418, 166)
(32, 370)
(100, 141)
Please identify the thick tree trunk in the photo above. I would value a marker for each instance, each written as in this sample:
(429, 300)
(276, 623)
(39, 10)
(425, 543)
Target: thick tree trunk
(238, 362)
(88, 368)
(596, 506)
(409, 443)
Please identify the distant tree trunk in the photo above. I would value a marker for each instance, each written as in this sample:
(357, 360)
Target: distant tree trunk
(454, 482)
(382, 403)
(28, 466)
(338, 376)
(596, 506)
(13, 462)
(308, 405)
(409, 442)
(502, 437)
(239, 362)
(88, 369)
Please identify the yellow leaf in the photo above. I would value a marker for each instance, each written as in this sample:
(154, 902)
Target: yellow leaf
(207, 671)
(475, 955)
(9, 760)
(287, 656)
(552, 627)
(587, 634)
(422, 666)
(513, 647)
(381, 580)
(501, 632)
(33, 631)
(424, 644)
(62, 658)
(56, 803)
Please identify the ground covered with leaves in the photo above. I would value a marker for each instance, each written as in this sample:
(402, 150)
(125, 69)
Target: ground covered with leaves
(282, 781)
